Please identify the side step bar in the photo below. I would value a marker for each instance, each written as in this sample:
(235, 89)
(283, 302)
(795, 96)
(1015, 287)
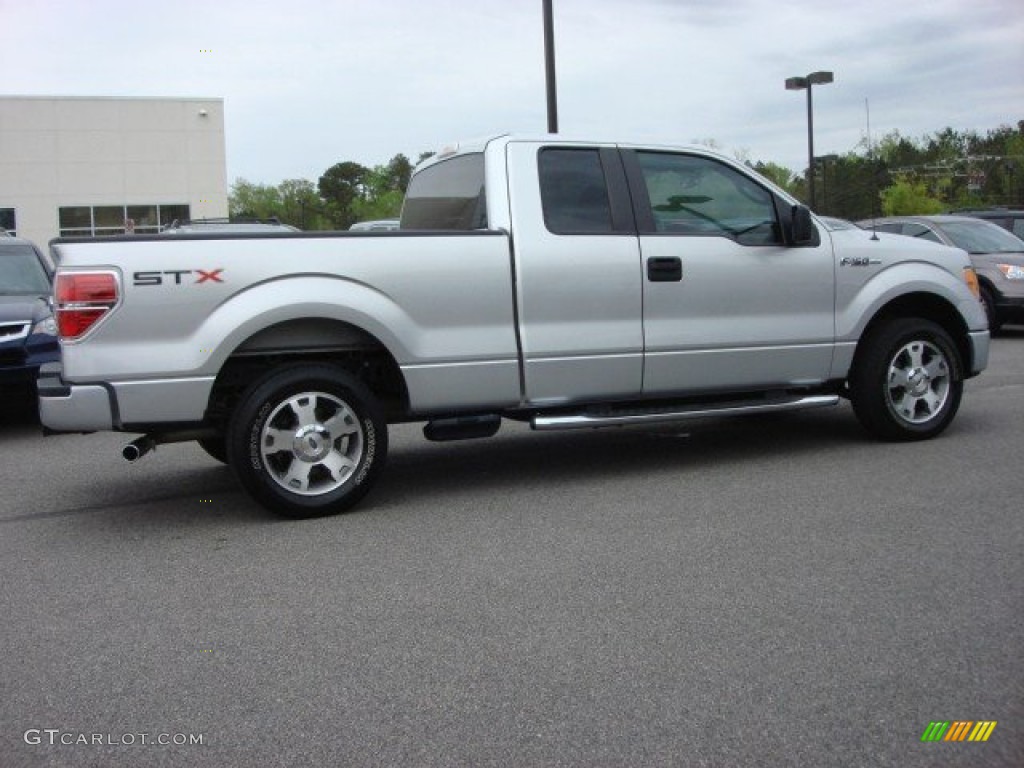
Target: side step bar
(623, 417)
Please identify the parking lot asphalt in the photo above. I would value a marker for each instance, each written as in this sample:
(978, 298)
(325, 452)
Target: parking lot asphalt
(764, 591)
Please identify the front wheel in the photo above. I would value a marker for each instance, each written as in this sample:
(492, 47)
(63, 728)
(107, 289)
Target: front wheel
(308, 441)
(907, 380)
(988, 301)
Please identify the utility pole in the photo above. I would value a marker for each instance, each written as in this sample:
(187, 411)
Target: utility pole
(806, 83)
(549, 67)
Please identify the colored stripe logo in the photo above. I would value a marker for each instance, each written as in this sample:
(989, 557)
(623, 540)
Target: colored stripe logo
(959, 730)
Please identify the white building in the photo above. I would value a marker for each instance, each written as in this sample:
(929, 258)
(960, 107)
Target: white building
(97, 166)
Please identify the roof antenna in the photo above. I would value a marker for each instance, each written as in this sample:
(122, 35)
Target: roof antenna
(874, 176)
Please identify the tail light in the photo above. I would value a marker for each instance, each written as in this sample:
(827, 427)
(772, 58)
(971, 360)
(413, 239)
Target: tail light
(82, 299)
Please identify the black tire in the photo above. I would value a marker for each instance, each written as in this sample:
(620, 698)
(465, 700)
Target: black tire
(215, 447)
(907, 380)
(307, 440)
(988, 301)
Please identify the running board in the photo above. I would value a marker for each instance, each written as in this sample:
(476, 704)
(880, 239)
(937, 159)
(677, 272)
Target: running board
(655, 415)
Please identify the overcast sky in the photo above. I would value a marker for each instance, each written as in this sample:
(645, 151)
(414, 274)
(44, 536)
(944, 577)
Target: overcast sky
(309, 83)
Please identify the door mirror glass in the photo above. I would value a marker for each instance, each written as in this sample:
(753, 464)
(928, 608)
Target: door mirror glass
(802, 231)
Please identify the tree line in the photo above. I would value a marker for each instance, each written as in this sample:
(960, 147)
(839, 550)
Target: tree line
(345, 193)
(901, 176)
(898, 175)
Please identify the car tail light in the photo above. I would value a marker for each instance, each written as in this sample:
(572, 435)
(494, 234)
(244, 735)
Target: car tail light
(82, 299)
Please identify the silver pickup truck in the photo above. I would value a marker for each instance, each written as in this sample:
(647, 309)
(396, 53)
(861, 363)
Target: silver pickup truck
(568, 284)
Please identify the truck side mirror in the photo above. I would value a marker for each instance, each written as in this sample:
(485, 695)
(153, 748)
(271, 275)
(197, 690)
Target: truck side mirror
(802, 228)
(798, 227)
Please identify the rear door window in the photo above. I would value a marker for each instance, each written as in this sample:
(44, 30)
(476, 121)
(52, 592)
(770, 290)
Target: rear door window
(574, 192)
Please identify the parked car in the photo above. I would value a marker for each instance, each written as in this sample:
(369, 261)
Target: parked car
(1011, 219)
(835, 224)
(380, 225)
(997, 255)
(28, 334)
(226, 226)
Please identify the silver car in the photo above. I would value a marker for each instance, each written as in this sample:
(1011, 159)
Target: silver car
(997, 255)
(226, 227)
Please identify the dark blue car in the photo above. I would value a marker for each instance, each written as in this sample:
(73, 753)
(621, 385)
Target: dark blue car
(28, 335)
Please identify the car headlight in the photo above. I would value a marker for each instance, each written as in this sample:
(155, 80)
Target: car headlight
(1012, 271)
(47, 327)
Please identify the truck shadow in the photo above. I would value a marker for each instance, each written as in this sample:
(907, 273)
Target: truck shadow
(420, 473)
(519, 459)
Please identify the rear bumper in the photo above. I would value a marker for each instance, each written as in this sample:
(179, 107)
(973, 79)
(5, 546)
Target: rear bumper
(128, 406)
(72, 407)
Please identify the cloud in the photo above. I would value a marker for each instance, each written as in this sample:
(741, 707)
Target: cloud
(312, 82)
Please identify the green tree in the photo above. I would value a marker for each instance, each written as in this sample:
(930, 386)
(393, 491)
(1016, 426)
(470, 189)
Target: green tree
(339, 187)
(381, 198)
(907, 198)
(398, 171)
(253, 201)
(301, 206)
(293, 201)
(776, 173)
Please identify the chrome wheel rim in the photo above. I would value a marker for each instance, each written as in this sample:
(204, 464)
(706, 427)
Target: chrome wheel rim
(919, 382)
(312, 443)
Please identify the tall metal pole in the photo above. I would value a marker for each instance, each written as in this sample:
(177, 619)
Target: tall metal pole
(549, 67)
(799, 84)
(810, 144)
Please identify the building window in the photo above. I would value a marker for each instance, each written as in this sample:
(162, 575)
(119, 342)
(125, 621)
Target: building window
(76, 221)
(171, 213)
(7, 221)
(94, 221)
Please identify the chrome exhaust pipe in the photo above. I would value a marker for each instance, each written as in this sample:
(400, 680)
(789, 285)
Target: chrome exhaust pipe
(138, 448)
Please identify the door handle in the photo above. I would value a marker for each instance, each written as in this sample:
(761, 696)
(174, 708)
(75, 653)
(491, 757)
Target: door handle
(664, 269)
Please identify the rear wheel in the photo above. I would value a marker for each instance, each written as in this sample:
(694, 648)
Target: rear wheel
(308, 440)
(907, 380)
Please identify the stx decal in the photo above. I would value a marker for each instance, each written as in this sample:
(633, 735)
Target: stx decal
(177, 276)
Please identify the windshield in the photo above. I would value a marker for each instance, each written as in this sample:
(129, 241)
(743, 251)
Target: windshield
(982, 237)
(21, 273)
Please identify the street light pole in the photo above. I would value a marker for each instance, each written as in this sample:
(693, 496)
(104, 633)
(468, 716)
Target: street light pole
(549, 67)
(799, 84)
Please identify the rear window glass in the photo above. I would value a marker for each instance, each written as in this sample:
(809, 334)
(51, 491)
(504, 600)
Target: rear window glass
(448, 195)
(574, 192)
